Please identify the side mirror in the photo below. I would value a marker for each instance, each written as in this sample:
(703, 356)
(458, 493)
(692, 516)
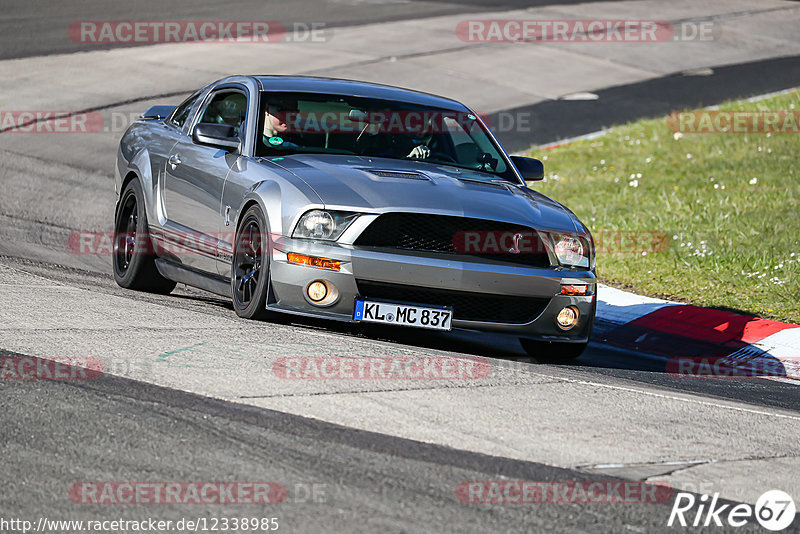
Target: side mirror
(158, 112)
(530, 169)
(215, 135)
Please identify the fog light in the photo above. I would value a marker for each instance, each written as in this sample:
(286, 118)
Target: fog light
(567, 318)
(317, 291)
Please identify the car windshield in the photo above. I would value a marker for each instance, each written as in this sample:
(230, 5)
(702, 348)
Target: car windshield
(314, 123)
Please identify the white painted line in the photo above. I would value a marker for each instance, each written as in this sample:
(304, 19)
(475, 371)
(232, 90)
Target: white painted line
(570, 140)
(580, 96)
(657, 464)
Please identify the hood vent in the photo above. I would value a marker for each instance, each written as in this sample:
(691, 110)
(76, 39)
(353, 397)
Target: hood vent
(400, 174)
(495, 185)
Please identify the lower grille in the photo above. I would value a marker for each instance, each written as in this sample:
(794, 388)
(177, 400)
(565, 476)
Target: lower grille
(467, 305)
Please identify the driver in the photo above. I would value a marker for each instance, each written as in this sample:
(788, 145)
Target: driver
(412, 144)
(421, 141)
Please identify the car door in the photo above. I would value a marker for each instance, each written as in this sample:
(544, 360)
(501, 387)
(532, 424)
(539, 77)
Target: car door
(194, 179)
(166, 134)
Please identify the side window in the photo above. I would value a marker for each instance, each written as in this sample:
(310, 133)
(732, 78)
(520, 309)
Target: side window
(226, 107)
(180, 115)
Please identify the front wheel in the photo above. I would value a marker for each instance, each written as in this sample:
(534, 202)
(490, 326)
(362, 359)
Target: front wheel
(250, 270)
(549, 352)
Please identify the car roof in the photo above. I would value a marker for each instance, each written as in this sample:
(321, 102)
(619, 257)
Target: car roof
(316, 84)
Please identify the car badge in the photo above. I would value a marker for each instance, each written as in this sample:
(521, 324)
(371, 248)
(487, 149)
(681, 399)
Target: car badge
(515, 250)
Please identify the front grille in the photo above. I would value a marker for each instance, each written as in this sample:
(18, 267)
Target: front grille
(445, 234)
(467, 305)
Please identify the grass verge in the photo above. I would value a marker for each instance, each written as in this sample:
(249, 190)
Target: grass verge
(727, 202)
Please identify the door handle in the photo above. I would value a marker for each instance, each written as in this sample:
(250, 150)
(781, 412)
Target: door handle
(174, 161)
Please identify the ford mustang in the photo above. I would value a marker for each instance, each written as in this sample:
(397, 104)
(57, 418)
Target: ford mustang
(350, 201)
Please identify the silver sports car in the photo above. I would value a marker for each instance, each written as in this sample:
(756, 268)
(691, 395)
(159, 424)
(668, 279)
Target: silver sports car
(350, 201)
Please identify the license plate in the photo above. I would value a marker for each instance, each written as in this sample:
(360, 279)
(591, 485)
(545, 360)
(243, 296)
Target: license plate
(403, 314)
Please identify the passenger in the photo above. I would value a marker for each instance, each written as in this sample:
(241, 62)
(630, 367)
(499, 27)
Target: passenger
(278, 125)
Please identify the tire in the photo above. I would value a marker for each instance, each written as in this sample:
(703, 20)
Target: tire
(133, 257)
(250, 267)
(549, 352)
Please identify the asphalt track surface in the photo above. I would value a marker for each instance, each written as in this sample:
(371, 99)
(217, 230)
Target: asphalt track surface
(26, 29)
(54, 433)
(124, 430)
(560, 119)
(133, 431)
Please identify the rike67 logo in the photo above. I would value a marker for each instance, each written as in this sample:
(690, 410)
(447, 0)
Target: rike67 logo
(774, 510)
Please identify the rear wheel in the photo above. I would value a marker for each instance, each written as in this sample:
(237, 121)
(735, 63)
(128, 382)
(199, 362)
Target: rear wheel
(250, 272)
(133, 258)
(550, 352)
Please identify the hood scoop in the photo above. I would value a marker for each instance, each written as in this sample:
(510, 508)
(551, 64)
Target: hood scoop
(405, 175)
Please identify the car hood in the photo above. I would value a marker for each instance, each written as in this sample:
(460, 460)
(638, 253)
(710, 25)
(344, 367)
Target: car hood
(379, 185)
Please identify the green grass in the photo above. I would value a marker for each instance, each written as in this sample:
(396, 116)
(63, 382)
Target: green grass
(732, 244)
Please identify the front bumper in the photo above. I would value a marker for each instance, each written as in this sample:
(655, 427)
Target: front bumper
(420, 270)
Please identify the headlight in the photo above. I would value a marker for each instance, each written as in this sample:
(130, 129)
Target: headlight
(323, 224)
(571, 250)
